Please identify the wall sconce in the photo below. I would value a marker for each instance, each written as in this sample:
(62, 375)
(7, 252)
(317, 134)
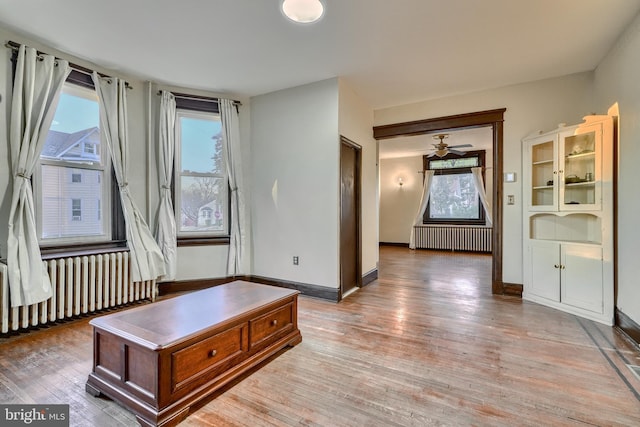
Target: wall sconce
(400, 182)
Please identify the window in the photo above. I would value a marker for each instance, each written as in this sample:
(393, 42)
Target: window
(201, 184)
(76, 209)
(74, 174)
(454, 198)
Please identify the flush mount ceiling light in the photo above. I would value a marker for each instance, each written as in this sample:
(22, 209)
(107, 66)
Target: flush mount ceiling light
(303, 11)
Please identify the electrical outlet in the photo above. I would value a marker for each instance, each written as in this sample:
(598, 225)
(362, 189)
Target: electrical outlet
(295, 260)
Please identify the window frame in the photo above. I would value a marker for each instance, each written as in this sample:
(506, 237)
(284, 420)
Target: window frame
(197, 107)
(426, 161)
(114, 236)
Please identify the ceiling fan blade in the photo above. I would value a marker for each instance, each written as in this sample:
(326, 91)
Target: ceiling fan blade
(460, 146)
(459, 153)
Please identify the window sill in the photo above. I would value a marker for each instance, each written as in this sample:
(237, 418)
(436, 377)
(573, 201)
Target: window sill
(52, 252)
(203, 241)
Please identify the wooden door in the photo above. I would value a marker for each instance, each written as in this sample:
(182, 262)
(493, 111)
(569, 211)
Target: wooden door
(350, 258)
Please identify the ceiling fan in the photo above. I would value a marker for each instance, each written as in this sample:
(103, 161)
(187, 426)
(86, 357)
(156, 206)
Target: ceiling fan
(441, 149)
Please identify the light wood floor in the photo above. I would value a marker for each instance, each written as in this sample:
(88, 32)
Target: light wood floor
(425, 345)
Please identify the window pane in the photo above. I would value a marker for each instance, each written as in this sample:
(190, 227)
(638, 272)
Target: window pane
(71, 208)
(464, 162)
(74, 135)
(202, 204)
(201, 145)
(454, 197)
(73, 179)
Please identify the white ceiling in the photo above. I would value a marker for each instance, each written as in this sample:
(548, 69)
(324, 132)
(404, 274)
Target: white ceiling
(391, 52)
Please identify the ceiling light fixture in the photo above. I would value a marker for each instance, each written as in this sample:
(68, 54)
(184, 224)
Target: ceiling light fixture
(303, 11)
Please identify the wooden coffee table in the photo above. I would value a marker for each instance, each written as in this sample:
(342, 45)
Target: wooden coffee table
(161, 359)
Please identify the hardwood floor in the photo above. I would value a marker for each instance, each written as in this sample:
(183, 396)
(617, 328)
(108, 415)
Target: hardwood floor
(425, 344)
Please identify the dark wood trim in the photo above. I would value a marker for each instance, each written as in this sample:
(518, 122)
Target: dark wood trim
(493, 118)
(628, 326)
(370, 277)
(331, 294)
(53, 252)
(165, 288)
(202, 241)
(418, 127)
(497, 285)
(514, 289)
(402, 245)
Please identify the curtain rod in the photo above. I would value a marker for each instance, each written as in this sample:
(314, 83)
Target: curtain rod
(198, 98)
(79, 68)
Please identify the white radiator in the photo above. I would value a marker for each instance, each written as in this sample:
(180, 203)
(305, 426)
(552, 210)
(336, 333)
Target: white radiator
(81, 285)
(455, 238)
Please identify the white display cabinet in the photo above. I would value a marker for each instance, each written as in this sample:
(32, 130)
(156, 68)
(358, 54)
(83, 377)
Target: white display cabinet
(568, 218)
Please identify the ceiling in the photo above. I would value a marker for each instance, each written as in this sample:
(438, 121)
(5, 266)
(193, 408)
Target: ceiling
(389, 52)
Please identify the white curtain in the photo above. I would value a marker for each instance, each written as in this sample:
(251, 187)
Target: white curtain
(147, 262)
(231, 138)
(36, 91)
(477, 179)
(166, 227)
(426, 190)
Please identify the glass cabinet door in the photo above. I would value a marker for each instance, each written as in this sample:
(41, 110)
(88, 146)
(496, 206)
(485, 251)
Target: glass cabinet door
(543, 154)
(580, 169)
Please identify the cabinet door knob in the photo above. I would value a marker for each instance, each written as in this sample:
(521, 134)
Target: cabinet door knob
(560, 171)
(556, 266)
(555, 172)
(562, 267)
(274, 322)
(213, 353)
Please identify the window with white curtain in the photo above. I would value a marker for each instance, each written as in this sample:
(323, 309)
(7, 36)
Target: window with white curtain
(454, 198)
(200, 177)
(73, 176)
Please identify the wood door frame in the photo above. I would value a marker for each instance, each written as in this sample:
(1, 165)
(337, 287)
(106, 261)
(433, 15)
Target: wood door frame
(358, 208)
(495, 119)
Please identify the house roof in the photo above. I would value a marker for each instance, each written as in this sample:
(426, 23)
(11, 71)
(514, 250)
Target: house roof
(58, 143)
(389, 52)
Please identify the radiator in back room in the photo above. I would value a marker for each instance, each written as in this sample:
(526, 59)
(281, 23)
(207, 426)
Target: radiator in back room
(455, 238)
(81, 285)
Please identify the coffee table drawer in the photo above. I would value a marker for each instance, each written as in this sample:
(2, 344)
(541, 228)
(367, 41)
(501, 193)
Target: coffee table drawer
(268, 326)
(208, 357)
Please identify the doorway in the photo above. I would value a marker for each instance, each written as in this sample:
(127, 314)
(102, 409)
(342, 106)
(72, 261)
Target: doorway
(350, 229)
(494, 119)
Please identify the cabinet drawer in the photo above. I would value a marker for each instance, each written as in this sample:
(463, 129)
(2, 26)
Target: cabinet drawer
(266, 327)
(207, 357)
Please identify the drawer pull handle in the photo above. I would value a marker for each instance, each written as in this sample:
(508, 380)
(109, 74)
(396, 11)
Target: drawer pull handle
(213, 353)
(274, 322)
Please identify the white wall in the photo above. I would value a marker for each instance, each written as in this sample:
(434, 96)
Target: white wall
(399, 204)
(295, 201)
(616, 81)
(355, 122)
(530, 106)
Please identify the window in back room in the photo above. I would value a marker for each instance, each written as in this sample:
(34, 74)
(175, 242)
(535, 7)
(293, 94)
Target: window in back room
(454, 198)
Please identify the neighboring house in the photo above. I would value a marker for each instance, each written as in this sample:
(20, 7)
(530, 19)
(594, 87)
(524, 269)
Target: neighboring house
(71, 195)
(209, 215)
